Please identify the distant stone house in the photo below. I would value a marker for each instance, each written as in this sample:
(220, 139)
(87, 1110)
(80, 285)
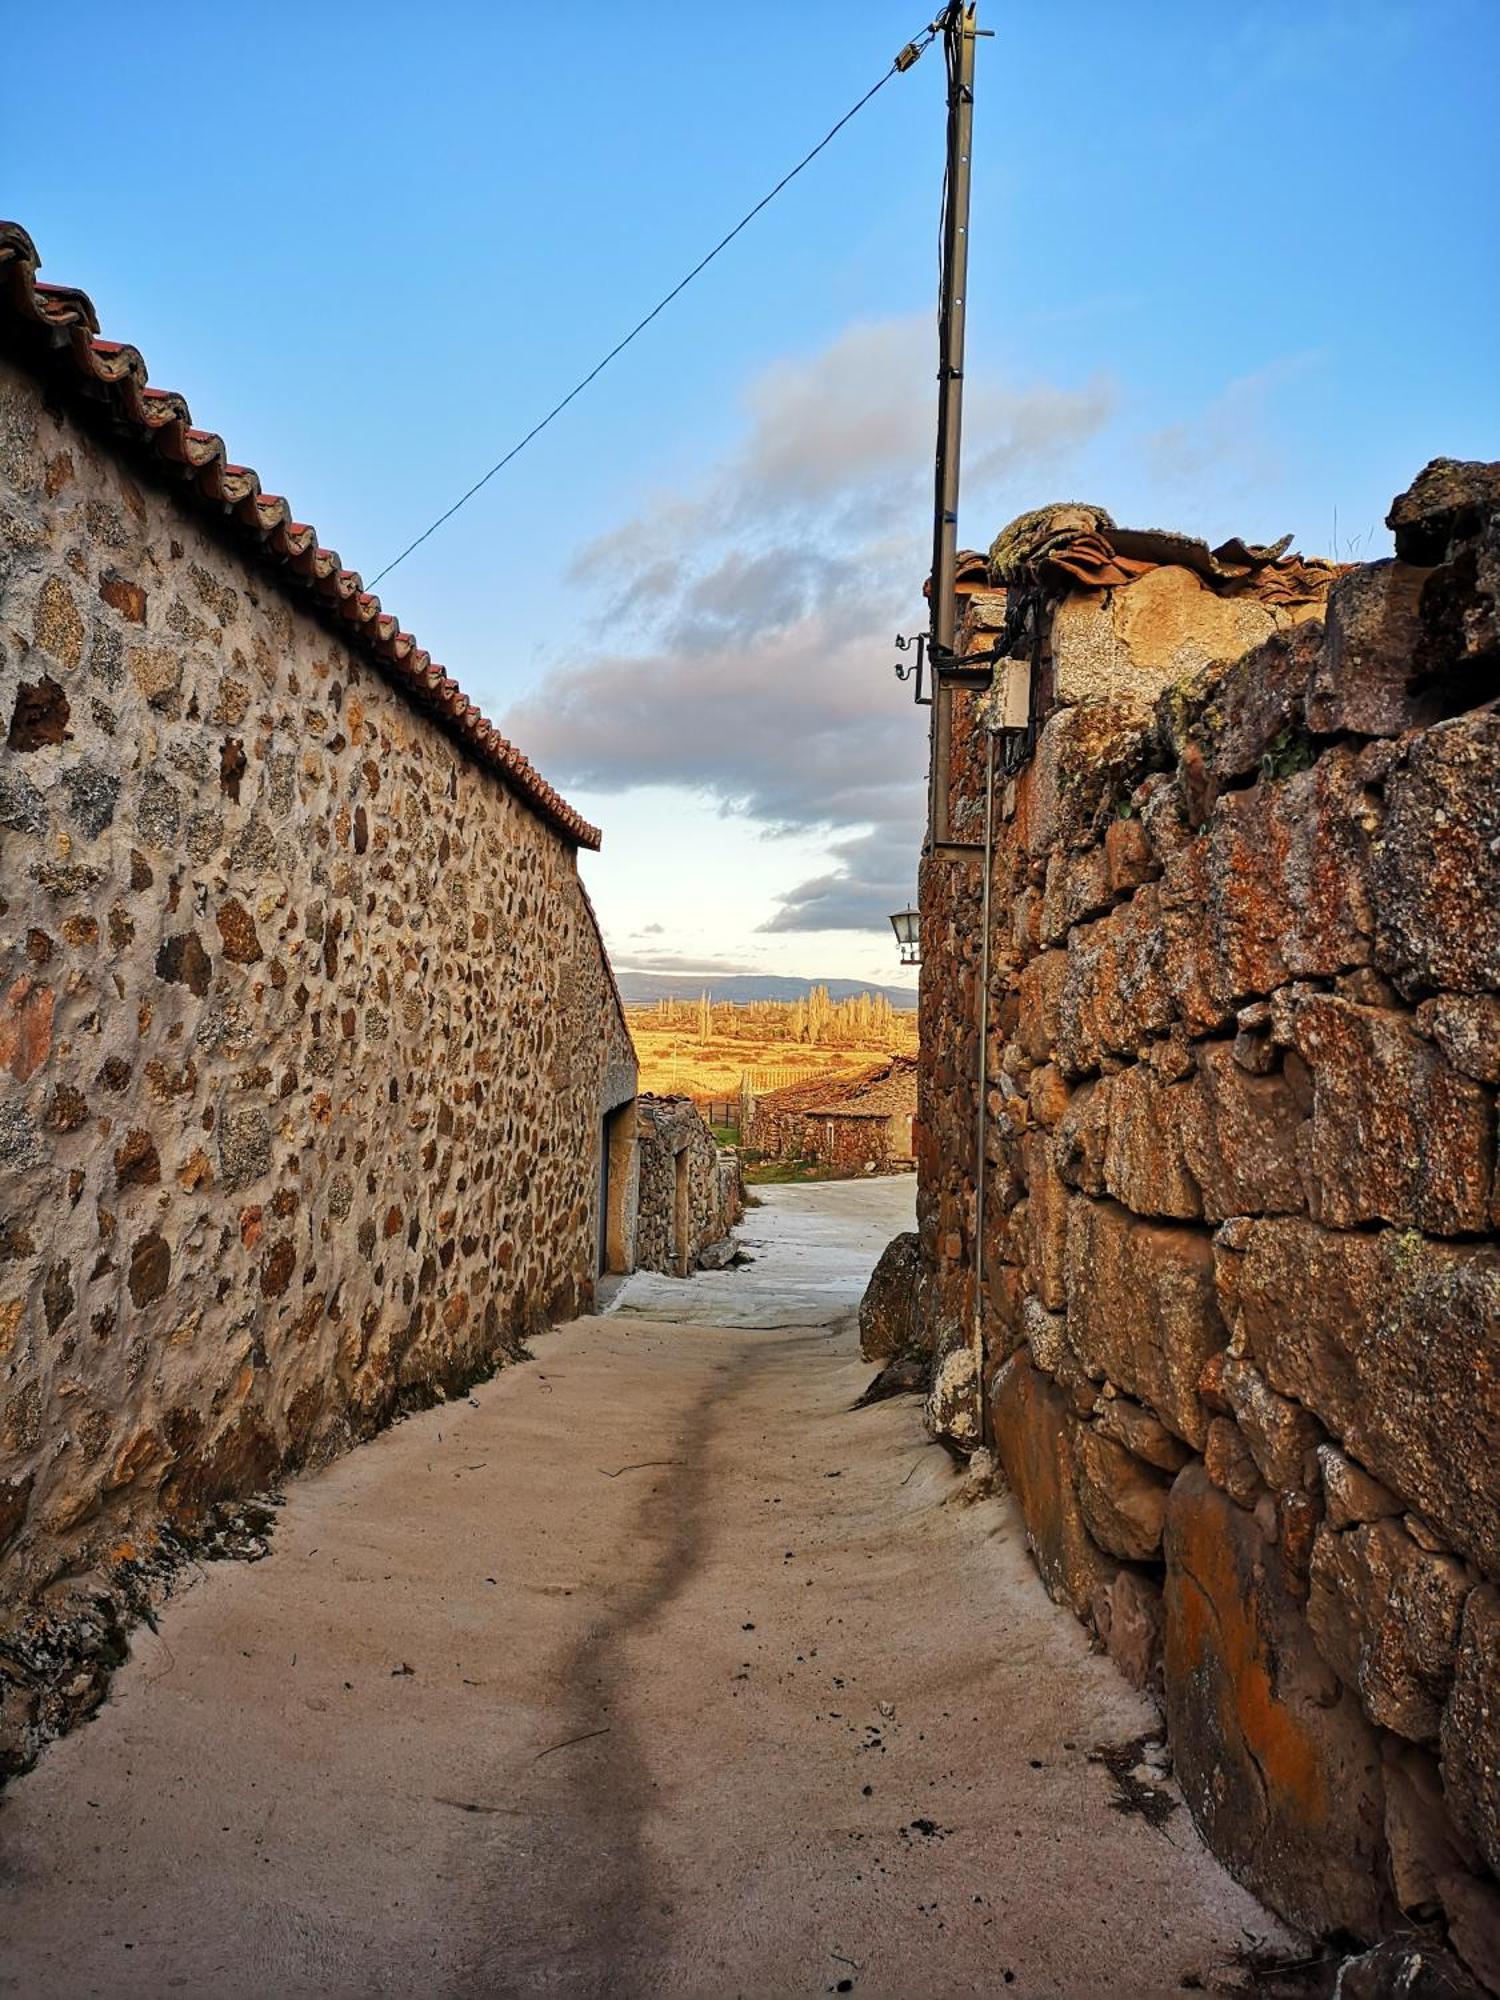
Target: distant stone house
(857, 1124)
(316, 1092)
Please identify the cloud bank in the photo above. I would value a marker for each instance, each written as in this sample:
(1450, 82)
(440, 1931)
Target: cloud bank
(745, 627)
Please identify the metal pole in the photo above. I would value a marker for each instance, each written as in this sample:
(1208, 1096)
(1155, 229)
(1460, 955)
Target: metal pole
(982, 1067)
(960, 28)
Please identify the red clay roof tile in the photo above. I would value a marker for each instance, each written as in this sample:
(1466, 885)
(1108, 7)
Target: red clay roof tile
(57, 325)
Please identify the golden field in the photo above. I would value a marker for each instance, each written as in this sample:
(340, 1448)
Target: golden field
(703, 1050)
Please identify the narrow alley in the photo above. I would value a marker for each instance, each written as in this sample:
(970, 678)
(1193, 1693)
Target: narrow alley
(652, 1667)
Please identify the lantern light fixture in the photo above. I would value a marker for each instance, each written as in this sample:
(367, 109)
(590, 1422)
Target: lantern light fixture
(907, 924)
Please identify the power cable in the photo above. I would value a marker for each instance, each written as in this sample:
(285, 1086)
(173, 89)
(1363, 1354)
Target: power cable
(901, 63)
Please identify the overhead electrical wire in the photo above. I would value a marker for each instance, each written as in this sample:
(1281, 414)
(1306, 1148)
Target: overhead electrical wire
(902, 62)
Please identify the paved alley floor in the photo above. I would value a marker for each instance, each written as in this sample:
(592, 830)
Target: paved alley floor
(653, 1668)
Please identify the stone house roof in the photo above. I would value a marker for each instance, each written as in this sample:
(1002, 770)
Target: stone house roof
(882, 1092)
(53, 330)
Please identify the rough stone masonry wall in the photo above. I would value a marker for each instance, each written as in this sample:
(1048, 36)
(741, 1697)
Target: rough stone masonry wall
(851, 1144)
(306, 1034)
(673, 1128)
(1242, 1301)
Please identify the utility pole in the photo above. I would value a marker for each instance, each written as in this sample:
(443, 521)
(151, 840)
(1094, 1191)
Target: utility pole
(960, 31)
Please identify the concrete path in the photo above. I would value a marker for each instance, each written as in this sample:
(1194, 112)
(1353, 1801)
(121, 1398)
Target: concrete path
(652, 1669)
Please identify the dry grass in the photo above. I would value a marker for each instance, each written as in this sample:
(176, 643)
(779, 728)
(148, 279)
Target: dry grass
(674, 1059)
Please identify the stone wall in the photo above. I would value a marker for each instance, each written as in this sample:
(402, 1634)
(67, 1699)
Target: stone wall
(854, 1124)
(856, 1142)
(306, 1034)
(1241, 1293)
(691, 1192)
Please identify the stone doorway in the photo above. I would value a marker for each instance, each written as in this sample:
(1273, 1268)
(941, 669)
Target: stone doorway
(616, 1190)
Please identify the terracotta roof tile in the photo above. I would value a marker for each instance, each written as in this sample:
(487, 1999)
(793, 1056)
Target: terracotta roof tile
(56, 326)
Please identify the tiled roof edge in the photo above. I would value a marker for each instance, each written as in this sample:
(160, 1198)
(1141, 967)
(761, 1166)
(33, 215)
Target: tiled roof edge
(60, 324)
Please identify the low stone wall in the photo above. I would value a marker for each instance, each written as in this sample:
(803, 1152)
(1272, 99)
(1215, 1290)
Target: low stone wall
(1241, 1301)
(852, 1143)
(691, 1194)
(772, 1131)
(306, 1040)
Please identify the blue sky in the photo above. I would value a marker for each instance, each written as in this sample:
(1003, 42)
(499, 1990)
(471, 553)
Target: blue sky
(1230, 273)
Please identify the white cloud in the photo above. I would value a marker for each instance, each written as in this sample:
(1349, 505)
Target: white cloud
(749, 623)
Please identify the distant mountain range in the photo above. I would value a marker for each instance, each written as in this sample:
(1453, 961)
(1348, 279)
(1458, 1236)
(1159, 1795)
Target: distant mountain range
(639, 989)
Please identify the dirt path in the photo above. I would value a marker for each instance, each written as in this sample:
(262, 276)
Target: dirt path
(651, 1670)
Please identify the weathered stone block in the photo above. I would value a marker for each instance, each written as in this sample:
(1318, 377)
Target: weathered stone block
(1396, 1134)
(26, 1027)
(1394, 1344)
(1165, 626)
(1282, 1438)
(1045, 1236)
(1124, 1501)
(1436, 871)
(1386, 1616)
(38, 719)
(1142, 1309)
(951, 1411)
(1280, 1770)
(1077, 889)
(1127, 1615)
(1086, 756)
(1040, 992)
(1350, 1495)
(1124, 1420)
(895, 1316)
(1083, 1134)
(1449, 501)
(1034, 1441)
(1471, 1907)
(1129, 857)
(1471, 1725)
(1228, 1462)
(1245, 712)
(1466, 1027)
(1048, 1095)
(1162, 805)
(57, 625)
(1425, 1845)
(1279, 884)
(1239, 1138)
(1046, 1334)
(1459, 654)
(244, 1145)
(1145, 1163)
(1116, 992)
(1362, 681)
(1405, 1969)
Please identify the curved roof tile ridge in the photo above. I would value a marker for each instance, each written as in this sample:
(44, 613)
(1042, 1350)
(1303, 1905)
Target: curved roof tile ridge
(61, 322)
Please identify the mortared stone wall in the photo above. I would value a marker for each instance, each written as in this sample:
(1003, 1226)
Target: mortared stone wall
(306, 1041)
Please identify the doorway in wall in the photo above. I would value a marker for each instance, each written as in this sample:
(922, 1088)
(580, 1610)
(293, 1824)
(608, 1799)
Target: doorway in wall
(616, 1179)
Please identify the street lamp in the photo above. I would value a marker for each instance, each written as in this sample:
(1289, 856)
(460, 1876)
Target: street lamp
(907, 924)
